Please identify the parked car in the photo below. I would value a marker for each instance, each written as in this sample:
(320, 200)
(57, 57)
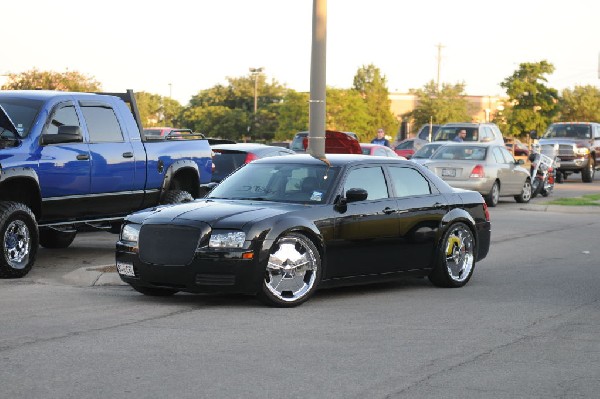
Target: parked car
(229, 157)
(487, 168)
(423, 154)
(427, 132)
(377, 149)
(577, 145)
(406, 148)
(520, 149)
(72, 161)
(334, 143)
(281, 227)
(476, 132)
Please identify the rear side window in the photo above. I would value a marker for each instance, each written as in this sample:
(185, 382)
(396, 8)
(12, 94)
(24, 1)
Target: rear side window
(102, 124)
(408, 182)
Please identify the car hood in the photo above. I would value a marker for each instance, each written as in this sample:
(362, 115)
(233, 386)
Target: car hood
(216, 213)
(564, 141)
(7, 123)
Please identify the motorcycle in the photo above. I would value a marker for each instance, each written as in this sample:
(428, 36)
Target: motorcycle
(543, 170)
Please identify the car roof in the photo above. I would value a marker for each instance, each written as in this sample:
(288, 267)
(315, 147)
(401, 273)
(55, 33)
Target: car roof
(249, 147)
(334, 159)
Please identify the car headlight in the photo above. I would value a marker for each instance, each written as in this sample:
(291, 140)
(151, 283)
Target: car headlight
(227, 239)
(582, 151)
(130, 232)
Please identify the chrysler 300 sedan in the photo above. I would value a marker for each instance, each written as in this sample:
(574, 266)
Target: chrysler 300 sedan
(282, 227)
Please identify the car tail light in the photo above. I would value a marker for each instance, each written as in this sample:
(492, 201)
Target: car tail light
(477, 171)
(250, 157)
(487, 212)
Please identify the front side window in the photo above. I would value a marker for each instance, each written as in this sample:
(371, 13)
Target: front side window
(102, 124)
(370, 179)
(63, 116)
(408, 182)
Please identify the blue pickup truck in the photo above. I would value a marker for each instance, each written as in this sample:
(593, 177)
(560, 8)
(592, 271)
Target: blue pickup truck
(70, 161)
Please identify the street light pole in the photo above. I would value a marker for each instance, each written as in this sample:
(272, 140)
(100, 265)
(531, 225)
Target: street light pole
(255, 72)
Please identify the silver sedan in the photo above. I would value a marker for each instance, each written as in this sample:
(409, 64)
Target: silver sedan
(487, 168)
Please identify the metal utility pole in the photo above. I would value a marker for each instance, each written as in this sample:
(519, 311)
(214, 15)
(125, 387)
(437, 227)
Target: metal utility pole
(439, 63)
(255, 72)
(316, 135)
(170, 89)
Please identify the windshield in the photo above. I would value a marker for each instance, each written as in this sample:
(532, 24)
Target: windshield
(22, 112)
(569, 131)
(426, 151)
(460, 152)
(278, 182)
(405, 145)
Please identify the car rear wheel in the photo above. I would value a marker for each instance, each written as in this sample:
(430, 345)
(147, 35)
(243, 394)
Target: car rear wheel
(525, 195)
(494, 195)
(456, 258)
(293, 272)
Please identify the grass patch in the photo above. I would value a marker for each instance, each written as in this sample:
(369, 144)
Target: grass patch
(585, 200)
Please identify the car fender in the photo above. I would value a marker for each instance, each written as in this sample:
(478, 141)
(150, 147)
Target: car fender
(175, 169)
(25, 180)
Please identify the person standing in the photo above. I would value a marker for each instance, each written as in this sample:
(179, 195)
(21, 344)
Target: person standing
(380, 139)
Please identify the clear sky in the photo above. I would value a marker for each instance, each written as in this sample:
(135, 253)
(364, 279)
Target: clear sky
(184, 46)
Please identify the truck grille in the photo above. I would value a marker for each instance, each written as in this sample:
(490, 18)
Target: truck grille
(168, 244)
(566, 150)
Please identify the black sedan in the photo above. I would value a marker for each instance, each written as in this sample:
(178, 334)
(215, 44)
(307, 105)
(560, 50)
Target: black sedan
(281, 227)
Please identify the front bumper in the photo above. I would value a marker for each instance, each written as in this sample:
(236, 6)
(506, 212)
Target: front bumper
(575, 164)
(209, 272)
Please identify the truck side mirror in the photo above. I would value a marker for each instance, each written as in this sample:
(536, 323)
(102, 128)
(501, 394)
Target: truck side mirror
(66, 134)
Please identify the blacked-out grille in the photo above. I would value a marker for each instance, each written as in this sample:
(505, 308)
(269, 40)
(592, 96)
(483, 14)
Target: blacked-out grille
(168, 244)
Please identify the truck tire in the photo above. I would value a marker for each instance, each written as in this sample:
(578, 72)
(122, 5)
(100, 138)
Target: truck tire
(176, 197)
(587, 173)
(19, 237)
(50, 238)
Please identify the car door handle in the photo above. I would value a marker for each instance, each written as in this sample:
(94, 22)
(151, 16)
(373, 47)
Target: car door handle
(83, 157)
(128, 155)
(388, 211)
(438, 205)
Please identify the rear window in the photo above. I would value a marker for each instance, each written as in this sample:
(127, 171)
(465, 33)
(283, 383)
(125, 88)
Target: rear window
(22, 112)
(461, 152)
(226, 162)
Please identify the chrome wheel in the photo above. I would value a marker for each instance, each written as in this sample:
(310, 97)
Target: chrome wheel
(17, 244)
(459, 252)
(292, 270)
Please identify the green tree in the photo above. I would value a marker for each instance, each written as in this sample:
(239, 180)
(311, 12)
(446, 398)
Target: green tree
(216, 121)
(50, 80)
(447, 105)
(156, 110)
(372, 86)
(582, 104)
(292, 115)
(347, 112)
(534, 104)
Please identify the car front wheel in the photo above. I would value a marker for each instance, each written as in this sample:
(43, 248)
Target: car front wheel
(293, 272)
(456, 258)
(19, 235)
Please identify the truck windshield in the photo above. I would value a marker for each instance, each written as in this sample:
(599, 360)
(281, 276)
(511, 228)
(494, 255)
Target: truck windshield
(22, 112)
(569, 131)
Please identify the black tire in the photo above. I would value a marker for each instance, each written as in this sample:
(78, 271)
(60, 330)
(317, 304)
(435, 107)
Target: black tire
(587, 173)
(304, 278)
(536, 187)
(525, 195)
(455, 257)
(52, 239)
(20, 239)
(559, 178)
(176, 197)
(153, 291)
(492, 198)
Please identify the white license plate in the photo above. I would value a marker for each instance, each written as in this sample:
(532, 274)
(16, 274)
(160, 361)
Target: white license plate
(125, 268)
(449, 172)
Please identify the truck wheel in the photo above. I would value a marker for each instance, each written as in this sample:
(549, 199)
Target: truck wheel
(19, 235)
(177, 197)
(50, 238)
(587, 173)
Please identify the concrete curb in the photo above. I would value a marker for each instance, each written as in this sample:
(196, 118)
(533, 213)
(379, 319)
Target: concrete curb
(561, 208)
(93, 276)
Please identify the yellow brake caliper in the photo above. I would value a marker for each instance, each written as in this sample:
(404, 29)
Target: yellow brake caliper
(454, 240)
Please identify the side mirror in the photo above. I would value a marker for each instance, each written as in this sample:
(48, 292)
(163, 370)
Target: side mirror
(356, 194)
(66, 134)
